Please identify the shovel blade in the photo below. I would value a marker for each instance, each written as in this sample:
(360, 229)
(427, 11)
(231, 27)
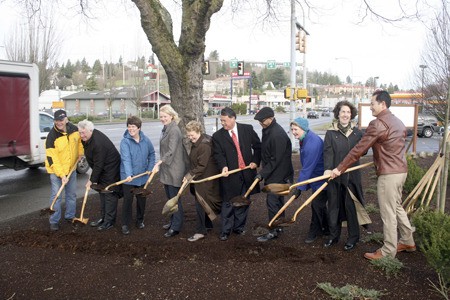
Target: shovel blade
(240, 201)
(275, 188)
(170, 204)
(282, 223)
(79, 220)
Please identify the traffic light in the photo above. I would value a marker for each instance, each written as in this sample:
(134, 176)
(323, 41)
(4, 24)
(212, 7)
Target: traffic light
(302, 93)
(206, 67)
(240, 68)
(297, 41)
(302, 46)
(287, 93)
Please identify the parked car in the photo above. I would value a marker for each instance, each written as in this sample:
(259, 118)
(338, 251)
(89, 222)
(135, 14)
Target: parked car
(427, 125)
(312, 115)
(442, 130)
(326, 113)
(102, 114)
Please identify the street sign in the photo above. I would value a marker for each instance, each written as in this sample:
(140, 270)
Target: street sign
(233, 63)
(246, 75)
(286, 64)
(271, 64)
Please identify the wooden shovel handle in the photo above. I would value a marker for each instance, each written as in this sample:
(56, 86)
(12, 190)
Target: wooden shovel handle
(150, 179)
(219, 175)
(126, 180)
(250, 189)
(315, 179)
(282, 210)
(310, 199)
(63, 185)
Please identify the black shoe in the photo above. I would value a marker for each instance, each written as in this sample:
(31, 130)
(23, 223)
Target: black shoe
(96, 223)
(330, 243)
(69, 220)
(166, 226)
(349, 246)
(223, 236)
(54, 227)
(270, 236)
(105, 226)
(125, 230)
(310, 239)
(140, 225)
(171, 233)
(239, 231)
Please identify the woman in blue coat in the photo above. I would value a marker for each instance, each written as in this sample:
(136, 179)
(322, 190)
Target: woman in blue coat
(137, 156)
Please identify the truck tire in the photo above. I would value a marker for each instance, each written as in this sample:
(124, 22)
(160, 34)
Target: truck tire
(82, 166)
(427, 132)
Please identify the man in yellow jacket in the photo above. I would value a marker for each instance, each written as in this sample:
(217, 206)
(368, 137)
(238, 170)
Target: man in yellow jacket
(63, 149)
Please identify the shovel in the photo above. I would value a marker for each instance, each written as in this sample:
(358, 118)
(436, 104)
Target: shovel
(243, 200)
(106, 190)
(171, 205)
(143, 191)
(50, 210)
(294, 218)
(81, 219)
(315, 179)
(219, 175)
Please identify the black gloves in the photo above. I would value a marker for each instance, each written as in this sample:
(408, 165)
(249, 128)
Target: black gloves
(295, 192)
(259, 177)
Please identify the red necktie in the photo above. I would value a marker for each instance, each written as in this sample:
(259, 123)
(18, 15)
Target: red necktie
(236, 144)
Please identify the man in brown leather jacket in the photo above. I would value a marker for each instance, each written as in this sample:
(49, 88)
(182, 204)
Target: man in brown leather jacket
(386, 135)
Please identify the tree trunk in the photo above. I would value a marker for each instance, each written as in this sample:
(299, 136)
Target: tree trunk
(183, 62)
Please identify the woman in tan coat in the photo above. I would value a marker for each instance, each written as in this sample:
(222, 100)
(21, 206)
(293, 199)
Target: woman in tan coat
(202, 165)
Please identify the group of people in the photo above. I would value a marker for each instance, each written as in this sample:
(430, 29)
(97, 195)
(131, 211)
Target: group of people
(242, 160)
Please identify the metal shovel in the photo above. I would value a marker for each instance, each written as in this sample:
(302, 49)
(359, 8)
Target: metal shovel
(50, 209)
(81, 219)
(243, 200)
(171, 205)
(143, 191)
(106, 190)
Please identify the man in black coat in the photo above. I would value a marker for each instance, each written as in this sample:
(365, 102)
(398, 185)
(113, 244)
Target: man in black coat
(276, 155)
(104, 160)
(230, 157)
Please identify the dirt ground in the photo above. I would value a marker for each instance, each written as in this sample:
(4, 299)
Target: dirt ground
(78, 262)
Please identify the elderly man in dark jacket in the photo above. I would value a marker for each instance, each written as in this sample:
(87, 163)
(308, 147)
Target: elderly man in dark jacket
(104, 160)
(235, 146)
(386, 135)
(276, 156)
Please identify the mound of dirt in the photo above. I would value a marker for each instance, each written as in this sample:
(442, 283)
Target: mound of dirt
(80, 262)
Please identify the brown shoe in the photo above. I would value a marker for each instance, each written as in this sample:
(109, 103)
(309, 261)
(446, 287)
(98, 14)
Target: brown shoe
(403, 247)
(374, 255)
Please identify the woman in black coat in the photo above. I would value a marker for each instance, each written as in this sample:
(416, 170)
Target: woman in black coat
(344, 190)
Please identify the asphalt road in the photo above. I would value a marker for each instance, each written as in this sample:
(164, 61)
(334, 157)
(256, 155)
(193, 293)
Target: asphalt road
(26, 191)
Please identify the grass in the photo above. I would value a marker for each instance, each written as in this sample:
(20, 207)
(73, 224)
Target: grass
(372, 208)
(376, 237)
(389, 265)
(349, 292)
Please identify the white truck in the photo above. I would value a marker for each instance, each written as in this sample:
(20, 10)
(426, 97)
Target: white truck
(23, 128)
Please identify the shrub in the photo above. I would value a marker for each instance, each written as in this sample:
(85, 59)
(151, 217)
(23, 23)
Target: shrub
(372, 208)
(349, 292)
(280, 109)
(415, 174)
(376, 237)
(390, 265)
(433, 238)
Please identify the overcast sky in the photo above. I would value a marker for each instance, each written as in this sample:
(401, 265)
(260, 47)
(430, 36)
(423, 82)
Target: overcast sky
(393, 53)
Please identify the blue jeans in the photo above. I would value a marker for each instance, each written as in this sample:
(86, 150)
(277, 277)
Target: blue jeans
(71, 197)
(176, 220)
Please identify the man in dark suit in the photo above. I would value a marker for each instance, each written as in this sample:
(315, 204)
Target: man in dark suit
(276, 163)
(229, 156)
(104, 160)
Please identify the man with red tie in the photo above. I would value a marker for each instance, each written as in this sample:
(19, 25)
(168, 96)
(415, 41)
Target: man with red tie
(235, 146)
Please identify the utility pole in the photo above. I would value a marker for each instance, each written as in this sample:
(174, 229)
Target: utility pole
(293, 72)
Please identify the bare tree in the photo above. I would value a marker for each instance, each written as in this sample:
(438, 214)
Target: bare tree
(36, 41)
(436, 81)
